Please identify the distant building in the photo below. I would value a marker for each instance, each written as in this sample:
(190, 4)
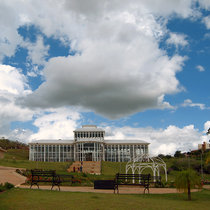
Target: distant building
(204, 146)
(88, 145)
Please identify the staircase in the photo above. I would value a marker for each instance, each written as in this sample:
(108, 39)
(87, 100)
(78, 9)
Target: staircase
(91, 167)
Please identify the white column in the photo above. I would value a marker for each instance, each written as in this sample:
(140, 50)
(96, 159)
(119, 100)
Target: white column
(111, 152)
(44, 153)
(59, 153)
(118, 152)
(74, 152)
(133, 152)
(33, 152)
(103, 151)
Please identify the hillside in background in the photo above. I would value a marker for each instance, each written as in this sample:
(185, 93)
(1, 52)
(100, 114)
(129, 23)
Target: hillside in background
(9, 144)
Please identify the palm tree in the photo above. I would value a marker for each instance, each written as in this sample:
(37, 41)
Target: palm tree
(186, 180)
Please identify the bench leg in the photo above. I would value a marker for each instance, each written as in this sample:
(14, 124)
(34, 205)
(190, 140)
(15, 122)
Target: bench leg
(34, 184)
(115, 188)
(146, 188)
(57, 185)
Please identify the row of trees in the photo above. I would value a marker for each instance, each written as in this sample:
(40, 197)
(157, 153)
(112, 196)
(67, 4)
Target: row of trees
(8, 144)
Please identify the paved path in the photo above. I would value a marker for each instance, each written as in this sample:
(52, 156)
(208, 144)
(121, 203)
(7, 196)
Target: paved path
(122, 190)
(8, 174)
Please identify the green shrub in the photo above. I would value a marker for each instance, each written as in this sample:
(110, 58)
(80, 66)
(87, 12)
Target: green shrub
(1, 188)
(185, 163)
(84, 175)
(206, 168)
(6, 186)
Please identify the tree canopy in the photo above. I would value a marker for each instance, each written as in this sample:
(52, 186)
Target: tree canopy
(8, 144)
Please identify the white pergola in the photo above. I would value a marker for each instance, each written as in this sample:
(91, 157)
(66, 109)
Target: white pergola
(141, 162)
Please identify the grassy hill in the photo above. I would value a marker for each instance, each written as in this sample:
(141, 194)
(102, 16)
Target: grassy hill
(19, 158)
(17, 154)
(9, 144)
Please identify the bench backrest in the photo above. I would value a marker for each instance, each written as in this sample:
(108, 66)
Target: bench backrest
(50, 173)
(133, 176)
(139, 178)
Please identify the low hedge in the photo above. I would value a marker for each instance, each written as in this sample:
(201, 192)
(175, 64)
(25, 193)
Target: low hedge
(6, 186)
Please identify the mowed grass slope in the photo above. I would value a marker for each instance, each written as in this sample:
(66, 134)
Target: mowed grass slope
(18, 158)
(43, 199)
(17, 154)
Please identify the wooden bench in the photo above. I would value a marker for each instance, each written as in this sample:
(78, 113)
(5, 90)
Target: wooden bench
(48, 176)
(133, 179)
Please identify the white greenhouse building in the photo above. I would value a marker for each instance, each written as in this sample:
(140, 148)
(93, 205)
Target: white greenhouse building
(89, 144)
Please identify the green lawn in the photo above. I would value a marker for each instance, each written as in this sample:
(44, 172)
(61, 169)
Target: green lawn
(19, 158)
(43, 199)
(58, 166)
(17, 154)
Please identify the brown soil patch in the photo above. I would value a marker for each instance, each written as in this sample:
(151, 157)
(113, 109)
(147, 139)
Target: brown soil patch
(8, 174)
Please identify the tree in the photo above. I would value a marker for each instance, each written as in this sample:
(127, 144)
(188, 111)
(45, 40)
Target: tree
(178, 154)
(208, 132)
(208, 158)
(185, 180)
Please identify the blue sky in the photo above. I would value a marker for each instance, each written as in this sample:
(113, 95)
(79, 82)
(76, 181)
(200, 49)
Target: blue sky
(138, 69)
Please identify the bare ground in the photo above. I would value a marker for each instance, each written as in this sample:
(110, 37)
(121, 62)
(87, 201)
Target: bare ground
(8, 174)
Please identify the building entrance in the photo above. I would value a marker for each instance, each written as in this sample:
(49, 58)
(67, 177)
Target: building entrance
(88, 156)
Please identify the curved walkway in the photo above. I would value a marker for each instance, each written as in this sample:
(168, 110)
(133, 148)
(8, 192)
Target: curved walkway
(122, 190)
(8, 174)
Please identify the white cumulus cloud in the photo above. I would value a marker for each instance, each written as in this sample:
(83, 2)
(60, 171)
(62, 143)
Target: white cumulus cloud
(162, 141)
(13, 84)
(200, 68)
(179, 40)
(189, 103)
(206, 21)
(119, 68)
(56, 124)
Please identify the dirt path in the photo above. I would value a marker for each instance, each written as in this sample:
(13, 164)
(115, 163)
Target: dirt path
(122, 190)
(8, 174)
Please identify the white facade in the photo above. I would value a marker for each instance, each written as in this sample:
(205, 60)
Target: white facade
(204, 146)
(88, 145)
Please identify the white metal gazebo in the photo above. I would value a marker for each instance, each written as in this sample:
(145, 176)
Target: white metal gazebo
(141, 162)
